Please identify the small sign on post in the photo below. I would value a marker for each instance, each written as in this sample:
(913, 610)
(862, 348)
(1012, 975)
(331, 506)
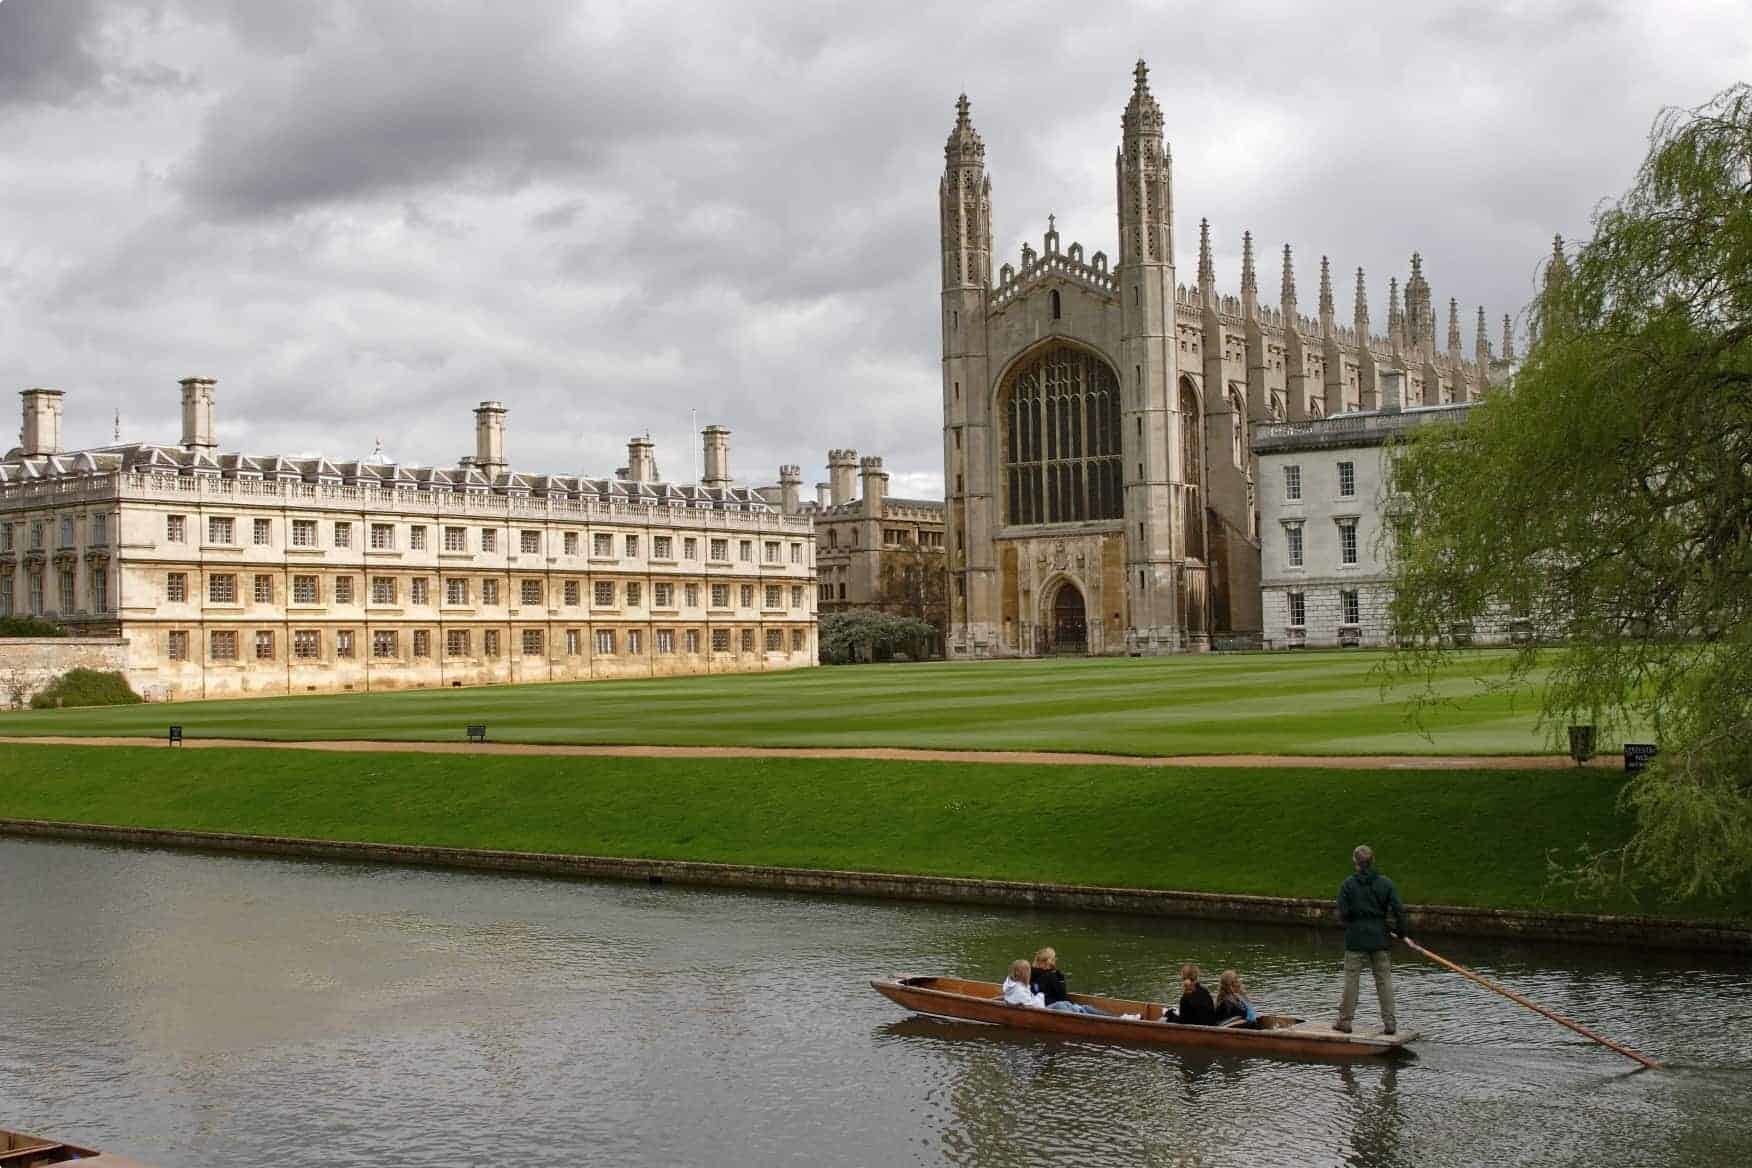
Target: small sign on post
(1637, 755)
(176, 736)
(477, 731)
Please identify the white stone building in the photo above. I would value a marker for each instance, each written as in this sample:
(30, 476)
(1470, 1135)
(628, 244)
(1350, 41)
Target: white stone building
(231, 574)
(1325, 544)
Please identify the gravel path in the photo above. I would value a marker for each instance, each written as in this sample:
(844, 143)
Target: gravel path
(1413, 762)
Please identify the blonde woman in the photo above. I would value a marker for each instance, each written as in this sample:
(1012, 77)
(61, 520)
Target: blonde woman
(1232, 999)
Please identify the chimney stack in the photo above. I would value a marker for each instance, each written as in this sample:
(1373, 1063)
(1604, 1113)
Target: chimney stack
(197, 413)
(41, 432)
(875, 486)
(716, 442)
(842, 469)
(489, 456)
(790, 489)
(641, 460)
(1392, 383)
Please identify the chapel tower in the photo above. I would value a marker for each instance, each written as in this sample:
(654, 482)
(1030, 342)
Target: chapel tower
(1159, 506)
(965, 207)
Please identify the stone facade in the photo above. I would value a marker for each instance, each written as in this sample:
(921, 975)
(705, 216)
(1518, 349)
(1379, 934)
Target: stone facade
(1326, 548)
(27, 664)
(1097, 418)
(872, 549)
(233, 575)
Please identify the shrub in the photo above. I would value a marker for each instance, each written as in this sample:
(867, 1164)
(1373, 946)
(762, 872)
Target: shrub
(86, 687)
(863, 635)
(29, 626)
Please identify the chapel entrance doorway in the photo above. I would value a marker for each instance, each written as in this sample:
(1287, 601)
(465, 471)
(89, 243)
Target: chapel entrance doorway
(1070, 624)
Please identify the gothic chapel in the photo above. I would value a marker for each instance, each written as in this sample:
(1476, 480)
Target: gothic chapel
(1097, 416)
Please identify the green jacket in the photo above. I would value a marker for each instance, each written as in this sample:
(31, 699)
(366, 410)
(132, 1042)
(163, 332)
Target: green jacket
(1364, 900)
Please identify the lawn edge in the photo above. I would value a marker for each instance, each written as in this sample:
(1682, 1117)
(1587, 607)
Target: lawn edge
(921, 754)
(1448, 920)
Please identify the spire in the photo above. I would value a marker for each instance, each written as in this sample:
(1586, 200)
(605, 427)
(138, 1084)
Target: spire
(1558, 270)
(1207, 268)
(1395, 316)
(1418, 322)
(1360, 313)
(1146, 196)
(1454, 328)
(1287, 293)
(1143, 117)
(1508, 338)
(1326, 311)
(1481, 343)
(1249, 283)
(964, 146)
(964, 200)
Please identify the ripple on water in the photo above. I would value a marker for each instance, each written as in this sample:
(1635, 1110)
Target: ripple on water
(187, 1008)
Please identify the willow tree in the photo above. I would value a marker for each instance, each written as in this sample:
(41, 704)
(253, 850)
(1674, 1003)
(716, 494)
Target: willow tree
(1605, 497)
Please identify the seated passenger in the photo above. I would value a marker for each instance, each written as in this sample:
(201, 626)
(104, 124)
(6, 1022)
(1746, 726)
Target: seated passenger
(1016, 990)
(1232, 999)
(1049, 982)
(1196, 1007)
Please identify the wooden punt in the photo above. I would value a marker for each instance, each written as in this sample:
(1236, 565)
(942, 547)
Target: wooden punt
(1277, 1034)
(18, 1150)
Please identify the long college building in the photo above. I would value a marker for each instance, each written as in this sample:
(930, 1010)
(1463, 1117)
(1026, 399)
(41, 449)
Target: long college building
(230, 574)
(1097, 413)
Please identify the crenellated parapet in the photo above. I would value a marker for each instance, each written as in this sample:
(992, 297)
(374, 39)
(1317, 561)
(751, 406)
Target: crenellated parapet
(1049, 262)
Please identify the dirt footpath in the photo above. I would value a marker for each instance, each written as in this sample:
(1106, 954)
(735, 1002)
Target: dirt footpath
(1410, 762)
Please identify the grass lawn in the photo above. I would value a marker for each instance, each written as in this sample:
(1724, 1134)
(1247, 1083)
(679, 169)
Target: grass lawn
(1468, 837)
(1310, 703)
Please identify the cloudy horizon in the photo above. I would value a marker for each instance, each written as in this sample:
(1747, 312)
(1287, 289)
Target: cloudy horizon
(363, 218)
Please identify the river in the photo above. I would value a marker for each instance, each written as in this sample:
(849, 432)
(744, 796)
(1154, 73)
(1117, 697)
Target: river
(195, 1009)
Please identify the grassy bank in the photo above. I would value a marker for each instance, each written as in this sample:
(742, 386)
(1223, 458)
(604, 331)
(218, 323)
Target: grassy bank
(1317, 703)
(1474, 837)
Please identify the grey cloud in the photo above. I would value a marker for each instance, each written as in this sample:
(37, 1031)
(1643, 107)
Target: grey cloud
(382, 211)
(58, 51)
(475, 98)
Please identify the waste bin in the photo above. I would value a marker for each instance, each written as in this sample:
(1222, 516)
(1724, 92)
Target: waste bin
(1581, 743)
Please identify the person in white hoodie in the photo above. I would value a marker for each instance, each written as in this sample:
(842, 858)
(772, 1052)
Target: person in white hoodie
(1017, 991)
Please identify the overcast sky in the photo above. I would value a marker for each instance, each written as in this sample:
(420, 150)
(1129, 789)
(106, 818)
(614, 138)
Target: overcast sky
(365, 216)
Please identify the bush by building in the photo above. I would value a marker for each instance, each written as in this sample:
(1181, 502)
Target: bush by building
(861, 635)
(29, 626)
(86, 687)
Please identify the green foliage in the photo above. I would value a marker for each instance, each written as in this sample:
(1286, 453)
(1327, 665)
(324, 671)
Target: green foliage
(1607, 497)
(85, 687)
(1461, 837)
(1270, 703)
(29, 626)
(863, 635)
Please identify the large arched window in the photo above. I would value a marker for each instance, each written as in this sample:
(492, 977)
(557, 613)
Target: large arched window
(1192, 466)
(1061, 424)
(1238, 425)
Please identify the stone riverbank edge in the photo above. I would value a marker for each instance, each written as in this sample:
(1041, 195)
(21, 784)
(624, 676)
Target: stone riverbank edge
(1451, 920)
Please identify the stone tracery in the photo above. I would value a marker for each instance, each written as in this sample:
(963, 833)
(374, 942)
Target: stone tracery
(1062, 438)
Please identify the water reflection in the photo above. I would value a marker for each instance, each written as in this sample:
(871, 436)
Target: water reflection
(200, 1009)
